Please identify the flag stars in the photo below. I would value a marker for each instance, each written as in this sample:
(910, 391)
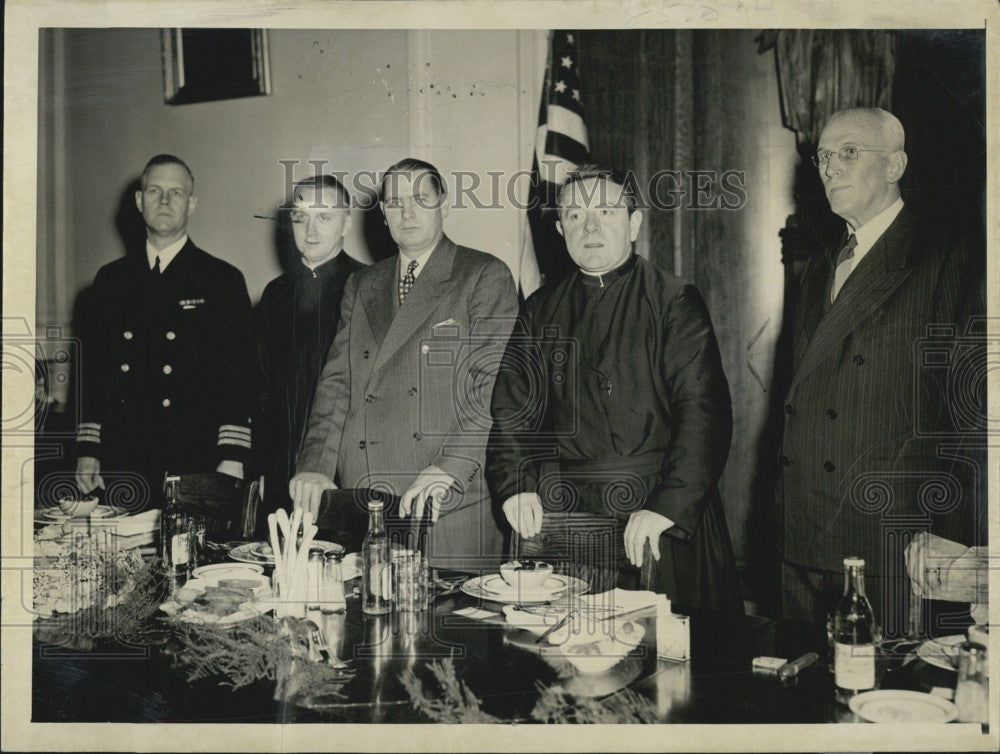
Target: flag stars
(567, 62)
(576, 94)
(561, 86)
(569, 39)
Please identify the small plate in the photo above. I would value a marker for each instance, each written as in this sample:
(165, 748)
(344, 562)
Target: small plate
(492, 587)
(942, 652)
(895, 706)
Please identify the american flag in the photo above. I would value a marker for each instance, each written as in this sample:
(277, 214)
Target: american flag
(560, 146)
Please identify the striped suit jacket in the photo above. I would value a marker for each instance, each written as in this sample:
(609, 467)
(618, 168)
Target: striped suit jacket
(885, 410)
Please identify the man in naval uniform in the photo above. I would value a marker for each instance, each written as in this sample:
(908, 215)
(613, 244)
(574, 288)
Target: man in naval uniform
(164, 355)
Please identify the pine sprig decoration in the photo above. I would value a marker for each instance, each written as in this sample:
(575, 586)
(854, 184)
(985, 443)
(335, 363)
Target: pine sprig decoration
(625, 706)
(124, 616)
(455, 702)
(263, 648)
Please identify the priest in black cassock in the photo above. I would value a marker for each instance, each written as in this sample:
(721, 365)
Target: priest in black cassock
(296, 320)
(612, 416)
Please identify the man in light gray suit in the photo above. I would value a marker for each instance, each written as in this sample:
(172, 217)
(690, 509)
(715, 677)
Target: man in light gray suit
(402, 404)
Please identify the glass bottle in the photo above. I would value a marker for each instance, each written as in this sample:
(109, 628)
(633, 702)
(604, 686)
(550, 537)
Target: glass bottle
(376, 576)
(175, 533)
(853, 635)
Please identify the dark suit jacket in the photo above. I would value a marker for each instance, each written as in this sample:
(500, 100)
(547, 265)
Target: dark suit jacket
(409, 386)
(877, 441)
(165, 367)
(296, 320)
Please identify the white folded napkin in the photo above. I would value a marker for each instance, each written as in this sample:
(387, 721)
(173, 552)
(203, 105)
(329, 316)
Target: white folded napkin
(142, 523)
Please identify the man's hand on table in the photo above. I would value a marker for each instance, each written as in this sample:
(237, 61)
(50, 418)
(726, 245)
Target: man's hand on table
(88, 474)
(643, 526)
(524, 513)
(306, 490)
(431, 485)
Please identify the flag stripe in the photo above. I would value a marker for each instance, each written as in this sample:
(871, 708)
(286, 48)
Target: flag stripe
(567, 122)
(557, 144)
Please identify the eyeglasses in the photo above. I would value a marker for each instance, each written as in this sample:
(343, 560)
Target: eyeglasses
(846, 154)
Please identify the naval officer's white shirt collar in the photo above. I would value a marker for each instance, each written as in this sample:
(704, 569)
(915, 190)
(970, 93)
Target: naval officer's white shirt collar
(166, 255)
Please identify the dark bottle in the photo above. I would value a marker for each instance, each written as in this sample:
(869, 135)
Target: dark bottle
(853, 635)
(175, 534)
(376, 576)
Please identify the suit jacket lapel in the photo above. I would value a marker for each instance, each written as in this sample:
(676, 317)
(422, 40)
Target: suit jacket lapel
(378, 301)
(431, 284)
(878, 275)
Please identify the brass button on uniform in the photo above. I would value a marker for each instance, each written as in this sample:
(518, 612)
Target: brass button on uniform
(127, 335)
(786, 461)
(125, 367)
(831, 414)
(859, 359)
(829, 467)
(369, 398)
(166, 403)
(362, 445)
(412, 391)
(365, 355)
(789, 409)
(167, 369)
(171, 335)
(417, 436)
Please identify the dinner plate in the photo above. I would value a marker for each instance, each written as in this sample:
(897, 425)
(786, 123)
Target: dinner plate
(244, 553)
(260, 552)
(218, 571)
(492, 587)
(257, 605)
(942, 652)
(895, 706)
(54, 514)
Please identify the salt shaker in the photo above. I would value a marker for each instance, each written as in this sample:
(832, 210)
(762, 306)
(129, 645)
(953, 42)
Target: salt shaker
(332, 596)
(972, 689)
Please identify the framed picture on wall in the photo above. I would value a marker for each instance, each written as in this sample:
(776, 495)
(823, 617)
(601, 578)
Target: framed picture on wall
(204, 65)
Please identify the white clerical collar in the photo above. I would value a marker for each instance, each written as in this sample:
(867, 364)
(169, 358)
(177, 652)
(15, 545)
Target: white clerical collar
(404, 262)
(166, 255)
(314, 265)
(872, 230)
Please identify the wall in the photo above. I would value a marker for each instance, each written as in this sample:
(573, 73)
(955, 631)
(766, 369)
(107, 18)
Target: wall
(359, 99)
(736, 256)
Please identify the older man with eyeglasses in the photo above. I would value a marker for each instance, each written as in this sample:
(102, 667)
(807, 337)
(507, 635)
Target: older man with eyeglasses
(871, 453)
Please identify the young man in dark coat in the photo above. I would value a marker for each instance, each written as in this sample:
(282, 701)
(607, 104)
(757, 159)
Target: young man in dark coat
(612, 415)
(164, 357)
(296, 320)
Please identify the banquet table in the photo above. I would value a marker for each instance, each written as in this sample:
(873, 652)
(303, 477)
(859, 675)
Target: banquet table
(499, 664)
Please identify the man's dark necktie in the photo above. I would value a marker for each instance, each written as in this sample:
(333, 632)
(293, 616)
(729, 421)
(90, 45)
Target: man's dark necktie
(156, 266)
(845, 261)
(407, 282)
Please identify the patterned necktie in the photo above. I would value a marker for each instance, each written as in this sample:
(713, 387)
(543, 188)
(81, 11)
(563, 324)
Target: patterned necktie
(156, 266)
(845, 261)
(407, 282)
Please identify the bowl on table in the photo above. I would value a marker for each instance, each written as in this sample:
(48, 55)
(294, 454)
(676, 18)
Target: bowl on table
(78, 508)
(526, 575)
